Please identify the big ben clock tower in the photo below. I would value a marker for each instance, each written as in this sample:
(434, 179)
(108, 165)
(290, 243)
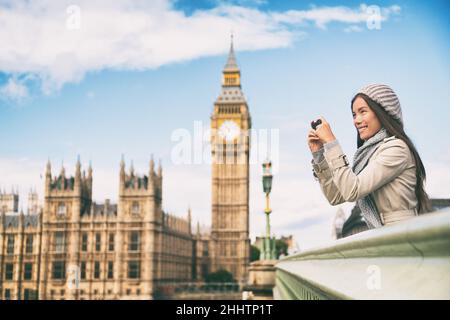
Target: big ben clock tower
(230, 146)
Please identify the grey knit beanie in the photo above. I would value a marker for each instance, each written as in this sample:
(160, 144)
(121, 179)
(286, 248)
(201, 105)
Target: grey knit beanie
(386, 97)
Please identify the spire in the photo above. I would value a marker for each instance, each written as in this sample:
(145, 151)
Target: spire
(159, 169)
(231, 75)
(189, 220)
(48, 171)
(131, 168)
(63, 171)
(231, 62)
(90, 170)
(48, 176)
(122, 162)
(122, 167)
(152, 165)
(78, 168)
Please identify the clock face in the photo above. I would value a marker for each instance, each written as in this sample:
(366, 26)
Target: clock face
(229, 130)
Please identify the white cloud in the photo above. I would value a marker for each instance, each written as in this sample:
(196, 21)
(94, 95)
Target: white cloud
(240, 2)
(13, 90)
(325, 15)
(353, 28)
(59, 45)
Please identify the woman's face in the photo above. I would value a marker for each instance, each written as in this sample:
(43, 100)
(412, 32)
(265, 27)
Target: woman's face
(365, 120)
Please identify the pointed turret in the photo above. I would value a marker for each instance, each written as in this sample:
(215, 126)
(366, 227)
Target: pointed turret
(48, 176)
(159, 169)
(152, 167)
(63, 170)
(189, 220)
(89, 180)
(122, 163)
(77, 180)
(122, 170)
(90, 170)
(231, 72)
(78, 168)
(231, 64)
(48, 171)
(131, 168)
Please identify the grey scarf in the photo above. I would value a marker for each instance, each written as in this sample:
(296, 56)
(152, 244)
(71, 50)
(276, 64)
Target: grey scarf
(367, 205)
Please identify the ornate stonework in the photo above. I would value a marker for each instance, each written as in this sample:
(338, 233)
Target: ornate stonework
(230, 147)
(73, 248)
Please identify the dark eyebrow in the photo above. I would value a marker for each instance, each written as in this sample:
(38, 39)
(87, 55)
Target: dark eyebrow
(362, 107)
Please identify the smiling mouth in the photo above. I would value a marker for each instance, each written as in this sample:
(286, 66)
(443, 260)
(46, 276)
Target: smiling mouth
(362, 128)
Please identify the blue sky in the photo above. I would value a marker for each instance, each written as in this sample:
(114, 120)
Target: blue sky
(123, 85)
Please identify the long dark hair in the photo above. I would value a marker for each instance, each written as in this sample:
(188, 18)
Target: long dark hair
(395, 128)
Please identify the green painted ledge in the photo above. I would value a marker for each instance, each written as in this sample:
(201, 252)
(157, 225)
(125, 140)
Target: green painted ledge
(408, 260)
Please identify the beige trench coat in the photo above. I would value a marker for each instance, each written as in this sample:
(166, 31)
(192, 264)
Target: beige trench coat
(390, 176)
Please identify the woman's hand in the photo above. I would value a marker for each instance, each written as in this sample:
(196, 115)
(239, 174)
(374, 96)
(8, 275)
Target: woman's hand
(323, 132)
(314, 141)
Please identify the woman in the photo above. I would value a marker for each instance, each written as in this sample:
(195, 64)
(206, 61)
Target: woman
(387, 177)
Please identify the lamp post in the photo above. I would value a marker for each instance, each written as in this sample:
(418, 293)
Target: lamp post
(268, 250)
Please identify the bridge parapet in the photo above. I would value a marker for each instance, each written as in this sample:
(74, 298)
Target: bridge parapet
(408, 260)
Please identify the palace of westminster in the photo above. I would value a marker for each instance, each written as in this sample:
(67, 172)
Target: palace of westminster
(70, 247)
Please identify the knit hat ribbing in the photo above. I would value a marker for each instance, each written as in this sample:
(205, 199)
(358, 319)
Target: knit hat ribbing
(386, 97)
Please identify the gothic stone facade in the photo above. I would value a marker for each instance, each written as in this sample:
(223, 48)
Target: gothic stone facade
(77, 249)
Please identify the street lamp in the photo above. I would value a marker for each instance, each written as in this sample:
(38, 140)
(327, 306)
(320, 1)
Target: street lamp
(268, 250)
(267, 177)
